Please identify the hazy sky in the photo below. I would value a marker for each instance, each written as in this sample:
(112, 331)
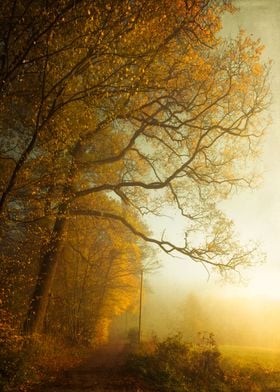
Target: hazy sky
(255, 212)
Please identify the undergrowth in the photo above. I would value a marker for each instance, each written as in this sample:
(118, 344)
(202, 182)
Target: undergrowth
(27, 361)
(175, 366)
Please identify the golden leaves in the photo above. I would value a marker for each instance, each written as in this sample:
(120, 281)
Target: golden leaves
(257, 69)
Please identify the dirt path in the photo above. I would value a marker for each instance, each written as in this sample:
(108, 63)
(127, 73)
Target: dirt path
(100, 373)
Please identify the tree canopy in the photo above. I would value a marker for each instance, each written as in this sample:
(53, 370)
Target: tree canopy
(116, 109)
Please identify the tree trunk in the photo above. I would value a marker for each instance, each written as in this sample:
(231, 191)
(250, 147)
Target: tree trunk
(36, 314)
(104, 288)
(39, 301)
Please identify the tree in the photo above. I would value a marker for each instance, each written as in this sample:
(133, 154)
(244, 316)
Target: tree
(141, 102)
(195, 317)
(97, 279)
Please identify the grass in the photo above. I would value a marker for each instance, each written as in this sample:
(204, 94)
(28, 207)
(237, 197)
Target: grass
(255, 368)
(174, 366)
(170, 365)
(250, 356)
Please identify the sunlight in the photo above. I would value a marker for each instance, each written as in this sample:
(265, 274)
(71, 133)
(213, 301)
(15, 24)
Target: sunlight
(263, 283)
(139, 194)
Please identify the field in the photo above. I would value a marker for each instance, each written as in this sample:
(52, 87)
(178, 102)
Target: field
(247, 356)
(258, 366)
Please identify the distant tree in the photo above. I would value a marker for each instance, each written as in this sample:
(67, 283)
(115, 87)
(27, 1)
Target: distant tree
(195, 317)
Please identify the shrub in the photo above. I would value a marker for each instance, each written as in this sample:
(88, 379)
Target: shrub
(175, 366)
(28, 361)
(10, 347)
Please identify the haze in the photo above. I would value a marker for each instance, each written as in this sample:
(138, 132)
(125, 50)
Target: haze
(139, 195)
(254, 303)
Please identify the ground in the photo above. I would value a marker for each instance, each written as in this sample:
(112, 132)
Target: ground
(101, 372)
(255, 369)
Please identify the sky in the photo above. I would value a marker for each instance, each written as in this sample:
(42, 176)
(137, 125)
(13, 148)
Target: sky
(255, 212)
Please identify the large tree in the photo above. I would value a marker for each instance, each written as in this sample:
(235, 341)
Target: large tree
(139, 101)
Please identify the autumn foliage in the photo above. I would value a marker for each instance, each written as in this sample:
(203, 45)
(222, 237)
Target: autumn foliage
(111, 111)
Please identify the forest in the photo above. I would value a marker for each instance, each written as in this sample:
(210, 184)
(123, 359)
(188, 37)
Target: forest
(112, 112)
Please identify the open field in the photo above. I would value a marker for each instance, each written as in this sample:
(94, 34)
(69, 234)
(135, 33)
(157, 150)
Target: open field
(256, 368)
(250, 356)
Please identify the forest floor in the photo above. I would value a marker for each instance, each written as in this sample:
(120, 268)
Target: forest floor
(102, 371)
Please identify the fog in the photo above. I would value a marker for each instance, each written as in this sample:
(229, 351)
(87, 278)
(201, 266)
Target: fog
(181, 296)
(232, 320)
(128, 121)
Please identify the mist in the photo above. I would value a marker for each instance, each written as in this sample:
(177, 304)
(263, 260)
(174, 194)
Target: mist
(232, 320)
(139, 190)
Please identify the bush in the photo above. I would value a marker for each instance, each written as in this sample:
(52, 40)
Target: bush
(45, 356)
(175, 366)
(10, 348)
(28, 361)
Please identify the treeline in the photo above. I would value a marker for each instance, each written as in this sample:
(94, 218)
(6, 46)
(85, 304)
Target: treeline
(97, 277)
(237, 321)
(234, 321)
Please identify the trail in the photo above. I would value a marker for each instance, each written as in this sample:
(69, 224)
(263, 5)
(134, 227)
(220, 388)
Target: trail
(102, 372)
